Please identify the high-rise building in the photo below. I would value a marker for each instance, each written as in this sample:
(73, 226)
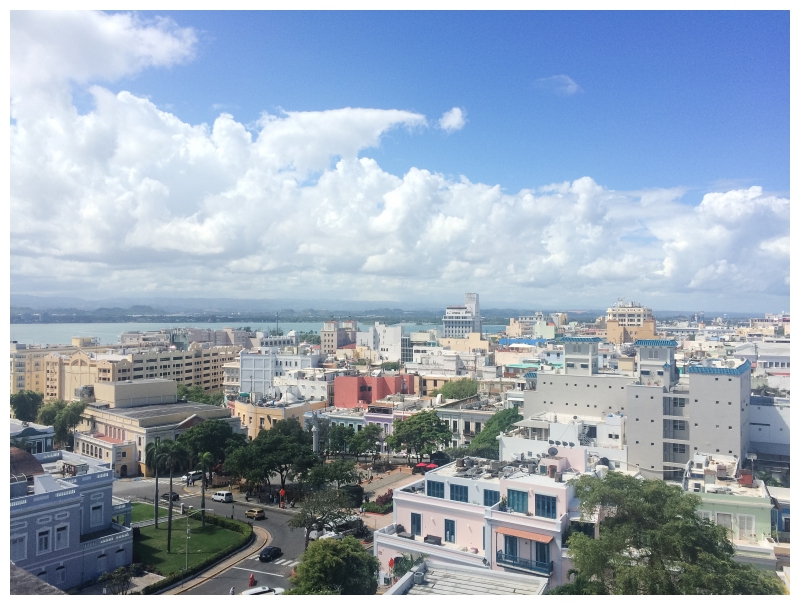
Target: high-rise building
(460, 320)
(628, 322)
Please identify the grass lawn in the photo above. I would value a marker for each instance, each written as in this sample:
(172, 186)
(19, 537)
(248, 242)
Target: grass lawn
(150, 548)
(144, 512)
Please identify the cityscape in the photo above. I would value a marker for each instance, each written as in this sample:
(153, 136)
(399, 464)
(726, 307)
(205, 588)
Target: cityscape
(315, 349)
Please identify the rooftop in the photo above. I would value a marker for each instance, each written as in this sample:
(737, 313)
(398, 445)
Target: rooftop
(459, 580)
(655, 343)
(161, 409)
(702, 369)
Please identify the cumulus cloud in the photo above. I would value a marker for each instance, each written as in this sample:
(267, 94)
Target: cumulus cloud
(129, 198)
(453, 120)
(561, 85)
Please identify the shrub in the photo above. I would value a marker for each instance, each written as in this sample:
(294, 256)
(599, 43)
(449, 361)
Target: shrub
(385, 498)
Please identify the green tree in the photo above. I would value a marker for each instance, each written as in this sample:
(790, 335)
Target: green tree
(119, 581)
(485, 443)
(404, 563)
(651, 541)
(286, 449)
(336, 567)
(320, 508)
(323, 426)
(197, 394)
(421, 433)
(205, 462)
(152, 459)
(365, 441)
(213, 436)
(173, 458)
(457, 389)
(390, 365)
(63, 417)
(25, 405)
(342, 472)
(338, 438)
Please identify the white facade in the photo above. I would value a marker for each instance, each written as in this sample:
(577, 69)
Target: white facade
(458, 321)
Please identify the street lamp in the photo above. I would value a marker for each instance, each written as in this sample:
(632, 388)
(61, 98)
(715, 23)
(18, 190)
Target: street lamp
(188, 531)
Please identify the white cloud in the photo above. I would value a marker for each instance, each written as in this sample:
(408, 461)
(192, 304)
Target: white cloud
(128, 198)
(560, 84)
(453, 120)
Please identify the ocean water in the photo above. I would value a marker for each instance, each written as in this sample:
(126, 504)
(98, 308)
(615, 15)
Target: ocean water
(108, 333)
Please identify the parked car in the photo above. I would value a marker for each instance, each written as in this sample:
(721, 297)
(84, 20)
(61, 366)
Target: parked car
(270, 553)
(263, 590)
(222, 497)
(255, 513)
(170, 496)
(194, 475)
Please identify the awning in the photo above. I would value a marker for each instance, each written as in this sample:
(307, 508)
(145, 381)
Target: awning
(528, 535)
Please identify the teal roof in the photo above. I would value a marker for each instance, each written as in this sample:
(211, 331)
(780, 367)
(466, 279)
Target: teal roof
(655, 343)
(578, 339)
(530, 375)
(745, 367)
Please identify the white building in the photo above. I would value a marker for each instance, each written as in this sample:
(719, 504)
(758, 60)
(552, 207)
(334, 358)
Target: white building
(458, 321)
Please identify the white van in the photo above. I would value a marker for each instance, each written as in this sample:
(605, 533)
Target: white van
(222, 497)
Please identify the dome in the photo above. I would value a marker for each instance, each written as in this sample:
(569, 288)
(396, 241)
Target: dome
(23, 463)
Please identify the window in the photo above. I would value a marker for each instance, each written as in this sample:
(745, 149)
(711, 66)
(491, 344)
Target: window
(43, 541)
(449, 530)
(518, 501)
(416, 524)
(545, 506)
(747, 524)
(435, 489)
(459, 493)
(101, 563)
(477, 427)
(62, 537)
(542, 553)
(678, 448)
(61, 574)
(97, 515)
(490, 497)
(678, 425)
(19, 548)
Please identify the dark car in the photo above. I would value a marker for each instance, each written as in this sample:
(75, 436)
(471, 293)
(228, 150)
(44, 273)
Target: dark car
(270, 553)
(170, 496)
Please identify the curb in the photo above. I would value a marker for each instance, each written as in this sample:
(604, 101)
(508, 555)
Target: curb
(258, 535)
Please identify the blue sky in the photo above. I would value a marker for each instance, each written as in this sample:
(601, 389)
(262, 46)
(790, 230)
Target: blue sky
(539, 158)
(688, 99)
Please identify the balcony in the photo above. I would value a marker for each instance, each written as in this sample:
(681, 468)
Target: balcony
(505, 560)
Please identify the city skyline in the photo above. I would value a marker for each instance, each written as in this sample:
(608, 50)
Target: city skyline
(563, 157)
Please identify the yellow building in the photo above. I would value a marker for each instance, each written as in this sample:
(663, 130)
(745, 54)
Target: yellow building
(628, 322)
(256, 418)
(474, 341)
(27, 362)
(196, 366)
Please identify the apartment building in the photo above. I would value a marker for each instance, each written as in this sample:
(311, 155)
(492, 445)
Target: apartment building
(200, 365)
(259, 367)
(460, 320)
(257, 417)
(537, 325)
(627, 322)
(181, 338)
(467, 418)
(478, 513)
(334, 335)
(27, 368)
(362, 391)
(61, 522)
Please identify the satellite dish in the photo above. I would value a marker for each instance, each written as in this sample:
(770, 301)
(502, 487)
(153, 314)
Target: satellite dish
(552, 451)
(558, 442)
(551, 442)
(574, 417)
(571, 444)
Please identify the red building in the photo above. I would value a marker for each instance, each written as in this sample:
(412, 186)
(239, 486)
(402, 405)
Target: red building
(361, 391)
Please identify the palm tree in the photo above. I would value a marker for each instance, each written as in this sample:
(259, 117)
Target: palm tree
(173, 457)
(152, 455)
(205, 462)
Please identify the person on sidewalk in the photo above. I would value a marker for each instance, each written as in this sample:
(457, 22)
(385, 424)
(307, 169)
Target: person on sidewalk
(232, 591)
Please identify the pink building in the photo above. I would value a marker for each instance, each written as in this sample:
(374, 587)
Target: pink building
(477, 514)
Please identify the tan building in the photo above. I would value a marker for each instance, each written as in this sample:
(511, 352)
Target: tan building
(196, 366)
(628, 322)
(473, 341)
(335, 335)
(125, 416)
(27, 362)
(256, 418)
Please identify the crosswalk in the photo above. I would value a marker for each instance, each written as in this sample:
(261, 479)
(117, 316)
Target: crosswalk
(284, 562)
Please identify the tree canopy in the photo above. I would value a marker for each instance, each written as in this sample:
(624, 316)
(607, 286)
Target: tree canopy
(339, 472)
(63, 417)
(213, 436)
(457, 389)
(485, 442)
(421, 433)
(327, 506)
(25, 405)
(197, 394)
(365, 441)
(338, 438)
(336, 567)
(651, 541)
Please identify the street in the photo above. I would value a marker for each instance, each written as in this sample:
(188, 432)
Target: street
(275, 573)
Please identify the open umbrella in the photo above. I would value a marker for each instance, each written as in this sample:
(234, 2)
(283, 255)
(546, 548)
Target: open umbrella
(421, 464)
(432, 465)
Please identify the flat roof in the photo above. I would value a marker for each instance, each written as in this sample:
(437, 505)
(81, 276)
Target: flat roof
(451, 582)
(160, 409)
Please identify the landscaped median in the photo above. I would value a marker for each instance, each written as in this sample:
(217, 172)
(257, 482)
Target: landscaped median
(207, 545)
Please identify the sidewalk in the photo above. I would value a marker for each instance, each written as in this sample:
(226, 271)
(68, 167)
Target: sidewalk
(262, 539)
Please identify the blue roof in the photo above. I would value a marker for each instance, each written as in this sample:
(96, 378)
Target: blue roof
(529, 375)
(526, 341)
(655, 343)
(745, 367)
(581, 339)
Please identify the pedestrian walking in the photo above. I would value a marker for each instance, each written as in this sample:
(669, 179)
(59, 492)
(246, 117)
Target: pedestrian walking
(232, 591)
